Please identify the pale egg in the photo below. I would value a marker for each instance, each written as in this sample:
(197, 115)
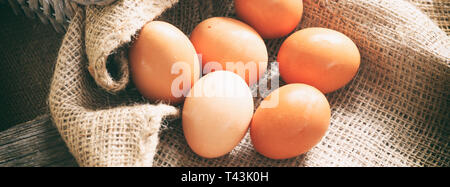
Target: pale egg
(217, 113)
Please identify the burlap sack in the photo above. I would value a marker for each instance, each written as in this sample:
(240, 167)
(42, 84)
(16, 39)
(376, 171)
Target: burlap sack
(394, 113)
(102, 129)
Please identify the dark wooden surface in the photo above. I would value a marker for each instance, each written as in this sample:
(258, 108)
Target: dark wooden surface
(28, 51)
(35, 143)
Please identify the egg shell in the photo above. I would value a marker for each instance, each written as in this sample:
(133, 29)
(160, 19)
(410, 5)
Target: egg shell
(217, 113)
(293, 126)
(225, 40)
(320, 57)
(272, 19)
(159, 48)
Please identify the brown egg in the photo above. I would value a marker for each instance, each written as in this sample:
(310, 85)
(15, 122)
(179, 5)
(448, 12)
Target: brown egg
(232, 45)
(217, 113)
(323, 58)
(272, 19)
(293, 126)
(164, 63)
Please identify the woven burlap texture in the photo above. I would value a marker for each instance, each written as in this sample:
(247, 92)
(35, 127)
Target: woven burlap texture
(112, 26)
(437, 10)
(395, 112)
(97, 127)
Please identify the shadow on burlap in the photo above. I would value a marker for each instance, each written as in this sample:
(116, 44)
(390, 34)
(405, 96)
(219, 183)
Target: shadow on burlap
(395, 112)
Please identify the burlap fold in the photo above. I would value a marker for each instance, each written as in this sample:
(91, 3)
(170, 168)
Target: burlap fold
(98, 129)
(394, 113)
(109, 27)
